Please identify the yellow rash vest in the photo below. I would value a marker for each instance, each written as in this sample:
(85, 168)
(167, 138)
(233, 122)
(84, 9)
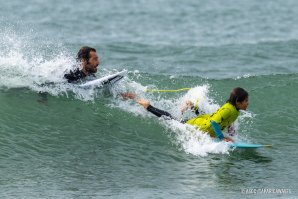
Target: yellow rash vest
(224, 117)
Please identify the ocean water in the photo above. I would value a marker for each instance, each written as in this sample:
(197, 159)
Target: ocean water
(60, 141)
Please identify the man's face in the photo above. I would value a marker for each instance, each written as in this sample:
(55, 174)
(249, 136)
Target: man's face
(91, 65)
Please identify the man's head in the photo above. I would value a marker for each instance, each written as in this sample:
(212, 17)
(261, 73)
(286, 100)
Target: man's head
(88, 58)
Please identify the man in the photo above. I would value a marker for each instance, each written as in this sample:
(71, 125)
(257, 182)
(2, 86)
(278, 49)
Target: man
(89, 60)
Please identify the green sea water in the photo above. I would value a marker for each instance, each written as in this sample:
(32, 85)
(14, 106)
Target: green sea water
(90, 143)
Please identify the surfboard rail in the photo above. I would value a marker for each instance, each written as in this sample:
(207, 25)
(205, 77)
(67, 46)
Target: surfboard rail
(109, 79)
(244, 145)
(241, 145)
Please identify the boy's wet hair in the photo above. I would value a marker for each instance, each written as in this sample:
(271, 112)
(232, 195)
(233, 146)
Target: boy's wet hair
(84, 53)
(238, 95)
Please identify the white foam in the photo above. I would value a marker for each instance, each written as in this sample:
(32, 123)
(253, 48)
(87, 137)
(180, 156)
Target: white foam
(184, 136)
(22, 65)
(195, 142)
(39, 67)
(23, 62)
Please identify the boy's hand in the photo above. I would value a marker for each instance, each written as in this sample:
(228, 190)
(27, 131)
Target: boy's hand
(143, 102)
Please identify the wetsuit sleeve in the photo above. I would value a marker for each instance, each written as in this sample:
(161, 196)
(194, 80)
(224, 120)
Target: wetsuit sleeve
(159, 112)
(217, 130)
(196, 111)
(69, 77)
(74, 75)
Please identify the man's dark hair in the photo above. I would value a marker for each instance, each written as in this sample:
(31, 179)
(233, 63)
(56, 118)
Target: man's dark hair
(84, 53)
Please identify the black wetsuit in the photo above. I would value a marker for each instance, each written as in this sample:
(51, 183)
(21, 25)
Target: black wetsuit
(75, 75)
(72, 76)
(159, 113)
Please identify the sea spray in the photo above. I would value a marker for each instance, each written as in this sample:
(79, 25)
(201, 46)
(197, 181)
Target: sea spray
(185, 137)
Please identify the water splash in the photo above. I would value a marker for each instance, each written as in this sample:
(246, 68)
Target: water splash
(25, 61)
(38, 65)
(184, 136)
(194, 141)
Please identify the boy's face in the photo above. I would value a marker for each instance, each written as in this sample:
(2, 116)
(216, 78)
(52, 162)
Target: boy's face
(242, 105)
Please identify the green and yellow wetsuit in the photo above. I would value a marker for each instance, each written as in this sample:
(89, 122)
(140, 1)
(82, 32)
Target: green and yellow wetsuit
(224, 117)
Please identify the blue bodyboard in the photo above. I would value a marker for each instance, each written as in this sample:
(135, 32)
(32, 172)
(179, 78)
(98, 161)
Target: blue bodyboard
(243, 145)
(240, 145)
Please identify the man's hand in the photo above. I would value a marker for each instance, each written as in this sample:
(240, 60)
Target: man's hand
(128, 95)
(188, 104)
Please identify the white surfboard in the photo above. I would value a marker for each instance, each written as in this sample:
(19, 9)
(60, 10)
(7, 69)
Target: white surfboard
(109, 79)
